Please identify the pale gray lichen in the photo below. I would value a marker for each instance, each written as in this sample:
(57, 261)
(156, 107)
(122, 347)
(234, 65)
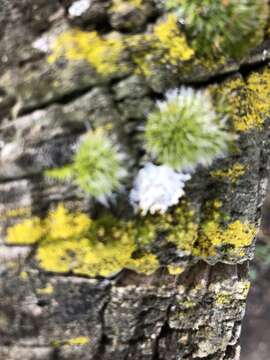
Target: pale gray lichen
(79, 7)
(156, 188)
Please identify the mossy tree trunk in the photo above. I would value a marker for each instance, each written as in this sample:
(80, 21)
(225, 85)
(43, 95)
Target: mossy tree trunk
(67, 66)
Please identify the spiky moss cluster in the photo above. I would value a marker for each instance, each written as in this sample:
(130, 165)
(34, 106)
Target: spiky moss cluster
(96, 166)
(74, 242)
(249, 100)
(165, 45)
(222, 27)
(185, 130)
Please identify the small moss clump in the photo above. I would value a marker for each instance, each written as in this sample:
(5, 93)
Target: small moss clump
(96, 166)
(222, 27)
(185, 130)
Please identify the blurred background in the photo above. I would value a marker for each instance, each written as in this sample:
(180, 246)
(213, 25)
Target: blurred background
(256, 326)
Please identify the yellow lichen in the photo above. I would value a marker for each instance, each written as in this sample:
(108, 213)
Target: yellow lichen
(233, 173)
(78, 341)
(175, 269)
(84, 257)
(237, 234)
(183, 229)
(123, 5)
(249, 100)
(47, 290)
(174, 42)
(73, 242)
(103, 54)
(165, 45)
(223, 298)
(26, 233)
(62, 224)
(23, 275)
(213, 235)
(13, 213)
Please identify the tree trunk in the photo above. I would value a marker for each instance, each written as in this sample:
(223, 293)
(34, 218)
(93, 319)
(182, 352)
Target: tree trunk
(192, 305)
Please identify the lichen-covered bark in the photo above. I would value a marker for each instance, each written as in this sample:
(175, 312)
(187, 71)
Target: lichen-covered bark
(192, 306)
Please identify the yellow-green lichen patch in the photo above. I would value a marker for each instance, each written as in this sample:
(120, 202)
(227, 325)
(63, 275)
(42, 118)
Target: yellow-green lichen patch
(123, 5)
(165, 45)
(249, 101)
(175, 44)
(232, 174)
(23, 275)
(183, 228)
(14, 213)
(175, 269)
(78, 341)
(27, 232)
(74, 242)
(238, 291)
(103, 54)
(47, 290)
(213, 235)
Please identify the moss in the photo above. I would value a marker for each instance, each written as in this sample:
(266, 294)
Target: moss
(96, 167)
(233, 173)
(231, 28)
(185, 130)
(249, 100)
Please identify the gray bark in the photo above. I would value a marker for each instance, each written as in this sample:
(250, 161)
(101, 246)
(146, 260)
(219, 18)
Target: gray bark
(44, 109)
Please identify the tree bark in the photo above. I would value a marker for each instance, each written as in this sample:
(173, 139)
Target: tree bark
(45, 107)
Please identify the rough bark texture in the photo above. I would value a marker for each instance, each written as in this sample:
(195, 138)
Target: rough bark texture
(44, 108)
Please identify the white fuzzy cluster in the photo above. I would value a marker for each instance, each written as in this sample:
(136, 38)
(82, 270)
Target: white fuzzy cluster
(79, 7)
(156, 188)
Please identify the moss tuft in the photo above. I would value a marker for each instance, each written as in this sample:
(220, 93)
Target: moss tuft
(231, 27)
(185, 130)
(96, 166)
